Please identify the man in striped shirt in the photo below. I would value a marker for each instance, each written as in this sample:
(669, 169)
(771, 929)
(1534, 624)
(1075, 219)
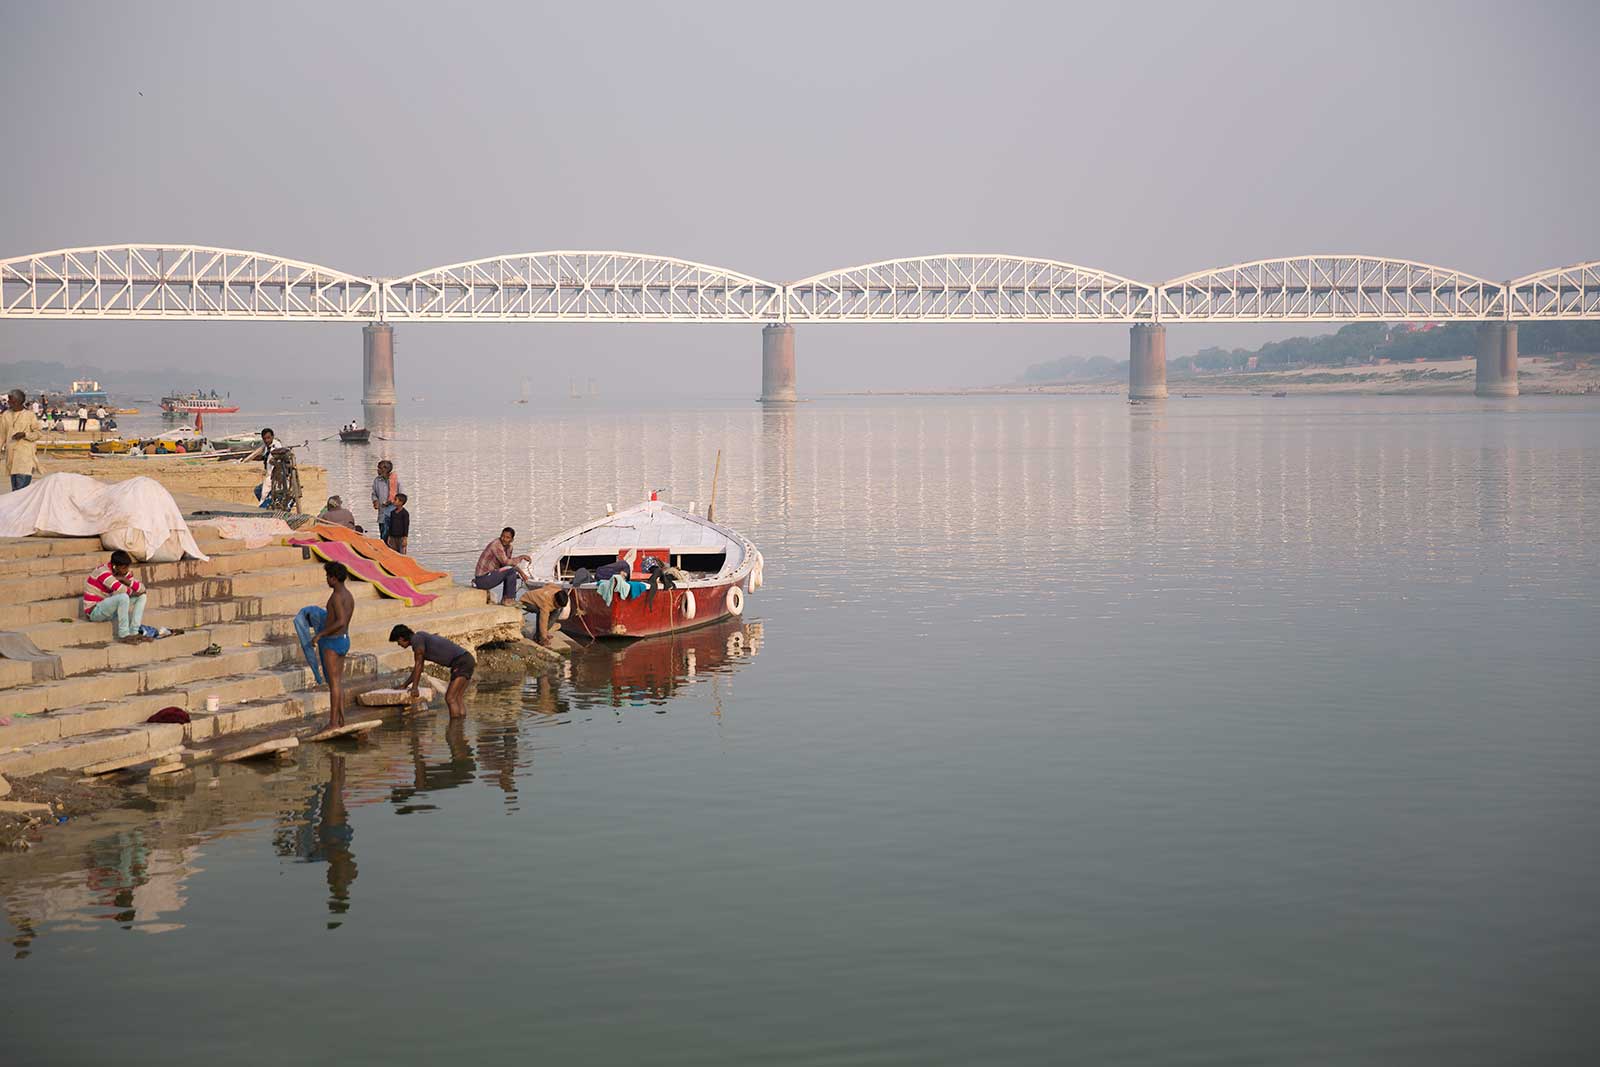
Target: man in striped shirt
(111, 593)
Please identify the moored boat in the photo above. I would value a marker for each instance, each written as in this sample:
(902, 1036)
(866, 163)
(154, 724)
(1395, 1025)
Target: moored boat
(719, 568)
(197, 403)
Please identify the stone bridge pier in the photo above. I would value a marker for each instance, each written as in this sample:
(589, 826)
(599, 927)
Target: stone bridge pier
(1147, 362)
(777, 364)
(1497, 359)
(377, 363)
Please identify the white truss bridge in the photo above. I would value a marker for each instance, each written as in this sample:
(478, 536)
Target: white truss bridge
(191, 282)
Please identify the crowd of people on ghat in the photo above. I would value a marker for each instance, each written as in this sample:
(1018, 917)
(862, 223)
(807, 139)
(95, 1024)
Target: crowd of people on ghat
(57, 415)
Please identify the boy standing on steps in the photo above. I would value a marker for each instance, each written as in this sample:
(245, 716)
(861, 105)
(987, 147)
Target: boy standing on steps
(332, 638)
(399, 525)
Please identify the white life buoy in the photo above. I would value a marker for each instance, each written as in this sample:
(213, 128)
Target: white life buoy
(735, 601)
(686, 605)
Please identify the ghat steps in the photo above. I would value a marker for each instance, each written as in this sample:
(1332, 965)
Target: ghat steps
(242, 599)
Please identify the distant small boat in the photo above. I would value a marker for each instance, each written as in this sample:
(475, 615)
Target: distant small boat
(1280, 394)
(358, 436)
(418, 399)
(313, 401)
(336, 398)
(524, 397)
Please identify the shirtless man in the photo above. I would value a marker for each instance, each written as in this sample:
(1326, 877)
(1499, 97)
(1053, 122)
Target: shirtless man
(333, 640)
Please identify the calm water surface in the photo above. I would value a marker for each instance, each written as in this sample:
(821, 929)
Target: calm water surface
(1243, 731)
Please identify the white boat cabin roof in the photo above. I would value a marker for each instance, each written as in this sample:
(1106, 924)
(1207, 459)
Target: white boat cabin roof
(652, 525)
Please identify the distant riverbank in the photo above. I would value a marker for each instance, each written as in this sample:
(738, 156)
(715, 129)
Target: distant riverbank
(1535, 376)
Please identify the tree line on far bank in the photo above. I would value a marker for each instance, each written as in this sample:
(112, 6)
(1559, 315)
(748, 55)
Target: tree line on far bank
(1357, 342)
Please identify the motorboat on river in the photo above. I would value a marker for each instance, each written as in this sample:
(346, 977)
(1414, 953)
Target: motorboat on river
(715, 568)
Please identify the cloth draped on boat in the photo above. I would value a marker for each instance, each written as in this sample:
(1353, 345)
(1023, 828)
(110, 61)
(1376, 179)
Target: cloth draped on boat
(367, 571)
(137, 515)
(616, 586)
(397, 564)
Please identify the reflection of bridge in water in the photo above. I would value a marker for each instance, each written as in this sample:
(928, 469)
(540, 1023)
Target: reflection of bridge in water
(188, 282)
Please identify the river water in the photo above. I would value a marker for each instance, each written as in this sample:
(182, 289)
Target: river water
(1225, 731)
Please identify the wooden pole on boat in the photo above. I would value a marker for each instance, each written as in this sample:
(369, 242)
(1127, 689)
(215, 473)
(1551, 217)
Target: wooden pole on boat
(711, 508)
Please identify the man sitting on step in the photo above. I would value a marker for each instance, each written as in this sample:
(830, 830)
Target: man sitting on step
(112, 593)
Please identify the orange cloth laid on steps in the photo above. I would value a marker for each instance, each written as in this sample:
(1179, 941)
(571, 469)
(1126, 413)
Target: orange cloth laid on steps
(367, 571)
(396, 564)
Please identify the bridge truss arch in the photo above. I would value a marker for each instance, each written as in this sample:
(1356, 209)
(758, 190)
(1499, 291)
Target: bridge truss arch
(577, 286)
(969, 287)
(1331, 288)
(1571, 292)
(178, 282)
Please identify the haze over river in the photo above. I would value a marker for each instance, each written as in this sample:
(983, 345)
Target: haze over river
(1226, 731)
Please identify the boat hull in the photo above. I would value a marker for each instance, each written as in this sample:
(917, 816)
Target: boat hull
(667, 612)
(198, 409)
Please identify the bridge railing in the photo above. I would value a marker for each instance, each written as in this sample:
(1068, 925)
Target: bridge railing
(563, 286)
(1571, 292)
(1331, 288)
(179, 282)
(968, 287)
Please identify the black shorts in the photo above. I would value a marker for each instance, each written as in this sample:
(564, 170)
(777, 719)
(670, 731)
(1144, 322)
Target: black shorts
(462, 666)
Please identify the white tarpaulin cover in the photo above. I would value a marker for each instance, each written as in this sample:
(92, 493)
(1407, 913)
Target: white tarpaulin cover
(138, 516)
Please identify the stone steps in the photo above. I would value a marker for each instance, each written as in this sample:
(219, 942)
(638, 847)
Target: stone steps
(67, 573)
(275, 691)
(242, 599)
(180, 671)
(195, 602)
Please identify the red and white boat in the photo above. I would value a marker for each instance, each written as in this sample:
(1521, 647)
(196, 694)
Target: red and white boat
(197, 404)
(721, 568)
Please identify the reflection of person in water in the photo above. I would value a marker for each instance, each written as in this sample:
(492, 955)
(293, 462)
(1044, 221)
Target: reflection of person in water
(321, 833)
(498, 752)
(333, 838)
(427, 777)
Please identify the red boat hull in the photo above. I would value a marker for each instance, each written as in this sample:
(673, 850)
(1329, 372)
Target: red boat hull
(643, 616)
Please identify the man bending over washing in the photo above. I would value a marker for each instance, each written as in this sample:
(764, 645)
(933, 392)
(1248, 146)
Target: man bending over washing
(431, 648)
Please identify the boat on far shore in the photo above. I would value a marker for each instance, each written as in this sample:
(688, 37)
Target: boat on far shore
(197, 403)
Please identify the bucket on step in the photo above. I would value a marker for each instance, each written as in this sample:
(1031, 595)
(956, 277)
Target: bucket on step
(213, 704)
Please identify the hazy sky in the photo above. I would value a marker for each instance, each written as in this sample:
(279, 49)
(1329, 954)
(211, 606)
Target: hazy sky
(781, 140)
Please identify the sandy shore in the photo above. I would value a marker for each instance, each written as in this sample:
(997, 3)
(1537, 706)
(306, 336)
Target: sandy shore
(1535, 376)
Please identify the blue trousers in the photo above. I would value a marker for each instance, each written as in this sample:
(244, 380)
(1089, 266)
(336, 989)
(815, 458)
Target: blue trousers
(20, 481)
(505, 578)
(306, 624)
